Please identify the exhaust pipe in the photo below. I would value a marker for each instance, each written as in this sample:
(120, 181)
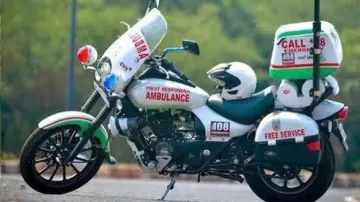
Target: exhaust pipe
(122, 126)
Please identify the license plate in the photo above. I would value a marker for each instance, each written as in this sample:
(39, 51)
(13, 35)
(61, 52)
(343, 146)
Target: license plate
(343, 135)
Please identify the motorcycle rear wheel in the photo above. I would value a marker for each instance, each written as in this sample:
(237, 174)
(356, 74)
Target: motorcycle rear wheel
(46, 149)
(318, 183)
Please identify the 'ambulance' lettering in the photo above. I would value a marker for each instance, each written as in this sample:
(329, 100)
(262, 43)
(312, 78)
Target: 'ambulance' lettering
(140, 45)
(174, 97)
(171, 94)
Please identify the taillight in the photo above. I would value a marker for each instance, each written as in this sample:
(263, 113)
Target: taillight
(314, 146)
(342, 114)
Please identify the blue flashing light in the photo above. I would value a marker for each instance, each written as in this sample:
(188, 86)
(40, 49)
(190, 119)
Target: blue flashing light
(110, 81)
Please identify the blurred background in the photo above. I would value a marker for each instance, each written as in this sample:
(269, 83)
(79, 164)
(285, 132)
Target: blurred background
(35, 40)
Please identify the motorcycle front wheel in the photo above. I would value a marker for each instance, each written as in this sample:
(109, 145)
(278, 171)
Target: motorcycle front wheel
(295, 184)
(43, 153)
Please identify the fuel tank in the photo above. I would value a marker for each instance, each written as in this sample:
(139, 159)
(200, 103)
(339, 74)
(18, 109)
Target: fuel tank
(161, 93)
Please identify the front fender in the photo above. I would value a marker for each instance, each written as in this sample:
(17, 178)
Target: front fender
(76, 118)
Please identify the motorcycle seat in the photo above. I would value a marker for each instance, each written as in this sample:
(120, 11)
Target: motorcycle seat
(244, 111)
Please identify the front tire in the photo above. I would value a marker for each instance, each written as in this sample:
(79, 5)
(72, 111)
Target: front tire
(313, 191)
(46, 149)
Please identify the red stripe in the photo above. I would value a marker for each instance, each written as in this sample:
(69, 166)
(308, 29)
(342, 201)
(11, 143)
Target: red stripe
(306, 65)
(82, 118)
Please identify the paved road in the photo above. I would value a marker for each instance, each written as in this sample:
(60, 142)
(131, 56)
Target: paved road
(13, 188)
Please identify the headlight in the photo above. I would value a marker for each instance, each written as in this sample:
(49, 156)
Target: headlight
(103, 71)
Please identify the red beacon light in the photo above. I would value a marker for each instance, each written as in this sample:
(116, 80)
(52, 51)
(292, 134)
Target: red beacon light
(87, 55)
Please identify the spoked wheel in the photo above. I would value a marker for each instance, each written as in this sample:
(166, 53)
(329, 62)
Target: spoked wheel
(41, 160)
(296, 183)
(287, 179)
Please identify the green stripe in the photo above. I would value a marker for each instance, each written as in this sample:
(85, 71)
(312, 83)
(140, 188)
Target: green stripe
(299, 73)
(85, 125)
(293, 33)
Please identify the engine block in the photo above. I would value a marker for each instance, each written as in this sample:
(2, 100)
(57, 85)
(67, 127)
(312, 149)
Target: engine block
(174, 138)
(171, 123)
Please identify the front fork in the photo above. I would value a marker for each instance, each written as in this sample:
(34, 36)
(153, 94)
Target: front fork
(99, 119)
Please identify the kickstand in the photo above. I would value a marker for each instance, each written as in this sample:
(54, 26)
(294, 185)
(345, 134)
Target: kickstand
(170, 186)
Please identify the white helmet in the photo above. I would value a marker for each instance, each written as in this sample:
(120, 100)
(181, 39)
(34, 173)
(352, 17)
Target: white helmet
(237, 80)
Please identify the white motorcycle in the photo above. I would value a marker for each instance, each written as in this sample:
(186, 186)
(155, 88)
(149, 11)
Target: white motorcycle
(276, 139)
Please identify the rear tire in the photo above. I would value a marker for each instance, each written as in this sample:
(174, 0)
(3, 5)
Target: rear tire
(317, 188)
(35, 180)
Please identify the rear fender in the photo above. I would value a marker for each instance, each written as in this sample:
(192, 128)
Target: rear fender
(77, 118)
(325, 114)
(326, 109)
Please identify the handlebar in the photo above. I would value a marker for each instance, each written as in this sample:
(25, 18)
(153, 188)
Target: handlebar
(168, 65)
(157, 61)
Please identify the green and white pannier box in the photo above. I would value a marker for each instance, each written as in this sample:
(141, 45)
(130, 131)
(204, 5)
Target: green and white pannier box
(292, 58)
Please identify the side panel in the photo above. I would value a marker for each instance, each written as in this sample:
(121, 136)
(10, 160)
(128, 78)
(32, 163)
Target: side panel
(218, 128)
(285, 125)
(326, 109)
(160, 93)
(76, 118)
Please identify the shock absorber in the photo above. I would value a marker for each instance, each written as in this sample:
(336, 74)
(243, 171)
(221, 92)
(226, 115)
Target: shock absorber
(90, 102)
(100, 118)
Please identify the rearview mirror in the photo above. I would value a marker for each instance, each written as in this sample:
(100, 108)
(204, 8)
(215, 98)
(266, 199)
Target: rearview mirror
(157, 3)
(152, 4)
(191, 47)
